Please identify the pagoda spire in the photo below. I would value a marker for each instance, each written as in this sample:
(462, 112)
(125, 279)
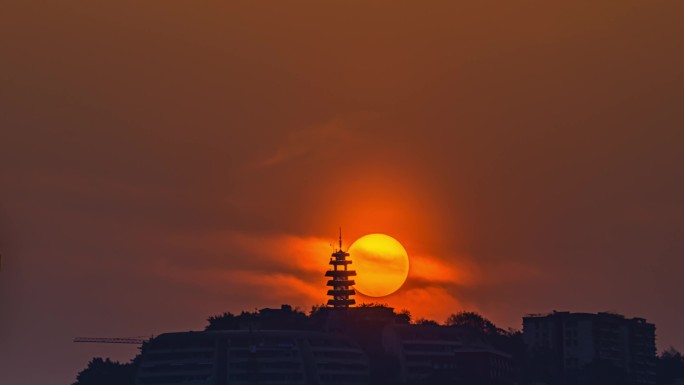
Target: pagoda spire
(342, 286)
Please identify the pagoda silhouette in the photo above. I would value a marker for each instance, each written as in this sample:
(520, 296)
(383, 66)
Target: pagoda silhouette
(341, 285)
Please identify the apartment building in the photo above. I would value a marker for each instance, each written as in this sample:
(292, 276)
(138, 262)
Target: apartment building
(570, 342)
(268, 357)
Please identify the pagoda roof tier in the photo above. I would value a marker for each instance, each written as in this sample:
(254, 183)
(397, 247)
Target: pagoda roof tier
(340, 273)
(339, 292)
(340, 254)
(340, 262)
(341, 302)
(341, 283)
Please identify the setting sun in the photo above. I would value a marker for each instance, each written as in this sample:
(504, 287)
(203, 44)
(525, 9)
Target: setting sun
(381, 262)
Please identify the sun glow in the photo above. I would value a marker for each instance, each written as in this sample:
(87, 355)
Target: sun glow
(381, 262)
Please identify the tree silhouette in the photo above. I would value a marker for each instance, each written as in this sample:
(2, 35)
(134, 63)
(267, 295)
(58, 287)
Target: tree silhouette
(373, 304)
(473, 321)
(426, 322)
(403, 317)
(670, 367)
(225, 321)
(107, 372)
(285, 318)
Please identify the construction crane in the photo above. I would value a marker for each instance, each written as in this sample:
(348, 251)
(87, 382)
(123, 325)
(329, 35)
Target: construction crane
(118, 340)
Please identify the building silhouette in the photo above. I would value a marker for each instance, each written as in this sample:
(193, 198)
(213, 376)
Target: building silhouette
(571, 347)
(450, 354)
(344, 344)
(403, 353)
(252, 357)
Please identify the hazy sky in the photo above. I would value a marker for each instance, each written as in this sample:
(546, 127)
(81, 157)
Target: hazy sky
(161, 162)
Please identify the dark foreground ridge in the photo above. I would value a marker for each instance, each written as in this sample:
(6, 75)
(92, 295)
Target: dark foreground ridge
(372, 344)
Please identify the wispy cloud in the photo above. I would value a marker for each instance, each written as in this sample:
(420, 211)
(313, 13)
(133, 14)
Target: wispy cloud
(330, 136)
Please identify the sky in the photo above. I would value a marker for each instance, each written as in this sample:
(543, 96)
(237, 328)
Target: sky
(161, 162)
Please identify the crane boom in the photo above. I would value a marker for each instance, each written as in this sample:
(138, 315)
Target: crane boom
(121, 340)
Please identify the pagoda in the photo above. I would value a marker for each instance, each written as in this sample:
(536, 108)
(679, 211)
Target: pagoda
(341, 284)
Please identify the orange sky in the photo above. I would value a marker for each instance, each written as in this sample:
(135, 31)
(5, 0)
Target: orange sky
(163, 162)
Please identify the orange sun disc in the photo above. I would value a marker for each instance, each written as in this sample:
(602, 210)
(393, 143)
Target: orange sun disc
(381, 263)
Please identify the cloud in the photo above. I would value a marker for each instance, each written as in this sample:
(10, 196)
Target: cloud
(330, 137)
(432, 302)
(263, 287)
(291, 268)
(450, 271)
